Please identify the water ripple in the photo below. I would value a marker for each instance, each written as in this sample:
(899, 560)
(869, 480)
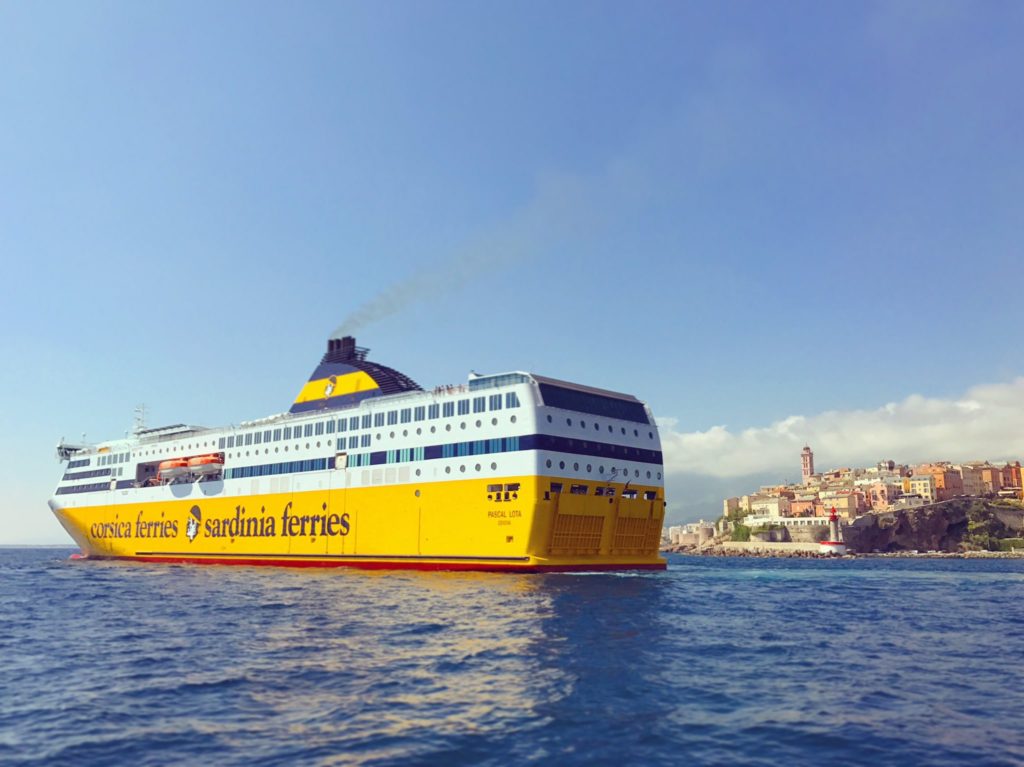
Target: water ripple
(717, 661)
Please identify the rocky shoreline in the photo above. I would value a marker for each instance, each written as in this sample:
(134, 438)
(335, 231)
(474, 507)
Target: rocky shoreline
(720, 551)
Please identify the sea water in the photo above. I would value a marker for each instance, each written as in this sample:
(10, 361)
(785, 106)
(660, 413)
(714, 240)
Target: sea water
(716, 661)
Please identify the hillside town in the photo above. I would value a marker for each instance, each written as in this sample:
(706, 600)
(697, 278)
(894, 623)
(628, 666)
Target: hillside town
(793, 512)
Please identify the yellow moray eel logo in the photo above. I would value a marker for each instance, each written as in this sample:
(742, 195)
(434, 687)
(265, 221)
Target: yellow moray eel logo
(329, 389)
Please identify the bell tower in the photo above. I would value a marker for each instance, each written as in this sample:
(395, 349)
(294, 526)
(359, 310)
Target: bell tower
(807, 463)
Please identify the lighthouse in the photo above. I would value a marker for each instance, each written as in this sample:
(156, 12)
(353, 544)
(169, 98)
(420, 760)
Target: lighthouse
(833, 545)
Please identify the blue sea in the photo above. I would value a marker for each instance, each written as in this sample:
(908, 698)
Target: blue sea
(716, 661)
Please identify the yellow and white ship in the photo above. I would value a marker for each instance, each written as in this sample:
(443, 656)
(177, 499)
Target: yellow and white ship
(506, 472)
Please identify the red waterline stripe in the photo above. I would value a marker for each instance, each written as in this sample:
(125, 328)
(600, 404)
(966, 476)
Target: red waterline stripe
(376, 565)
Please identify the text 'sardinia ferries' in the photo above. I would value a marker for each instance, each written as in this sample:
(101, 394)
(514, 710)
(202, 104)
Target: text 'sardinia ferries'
(506, 472)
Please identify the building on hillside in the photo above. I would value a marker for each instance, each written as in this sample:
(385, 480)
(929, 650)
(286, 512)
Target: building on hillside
(991, 480)
(777, 505)
(730, 506)
(970, 478)
(846, 503)
(1011, 477)
(922, 485)
(882, 493)
(948, 481)
(803, 505)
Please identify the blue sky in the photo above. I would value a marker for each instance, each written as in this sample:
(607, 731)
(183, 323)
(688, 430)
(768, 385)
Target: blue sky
(740, 212)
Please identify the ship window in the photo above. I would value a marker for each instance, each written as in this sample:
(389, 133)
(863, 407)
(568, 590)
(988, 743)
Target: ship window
(494, 488)
(307, 431)
(248, 438)
(629, 495)
(433, 412)
(319, 429)
(365, 440)
(378, 419)
(578, 489)
(556, 487)
(343, 424)
(419, 413)
(463, 407)
(448, 409)
(353, 442)
(287, 433)
(495, 402)
(330, 427)
(511, 399)
(392, 417)
(365, 423)
(479, 404)
(231, 442)
(650, 495)
(277, 435)
(266, 436)
(406, 415)
(257, 437)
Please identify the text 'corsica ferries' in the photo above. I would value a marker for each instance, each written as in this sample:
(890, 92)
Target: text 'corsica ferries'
(506, 472)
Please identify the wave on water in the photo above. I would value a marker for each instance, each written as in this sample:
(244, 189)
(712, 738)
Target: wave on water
(716, 661)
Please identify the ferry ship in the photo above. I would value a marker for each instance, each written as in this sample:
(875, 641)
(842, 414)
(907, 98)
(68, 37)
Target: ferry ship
(511, 472)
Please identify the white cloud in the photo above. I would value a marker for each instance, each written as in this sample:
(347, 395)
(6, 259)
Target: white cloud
(986, 422)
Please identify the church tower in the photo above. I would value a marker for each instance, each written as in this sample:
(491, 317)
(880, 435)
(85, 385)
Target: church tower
(807, 461)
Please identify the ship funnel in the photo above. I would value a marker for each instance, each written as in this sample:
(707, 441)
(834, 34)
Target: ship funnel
(344, 350)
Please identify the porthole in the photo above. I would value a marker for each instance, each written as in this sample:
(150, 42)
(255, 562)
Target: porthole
(494, 466)
(568, 421)
(329, 443)
(417, 472)
(307, 446)
(247, 453)
(418, 431)
(478, 424)
(650, 435)
(589, 468)
(575, 467)
(513, 419)
(561, 464)
(318, 444)
(623, 429)
(659, 475)
(462, 425)
(391, 436)
(462, 468)
(600, 469)
(548, 462)
(447, 427)
(636, 433)
(286, 448)
(549, 419)
(447, 469)
(417, 492)
(378, 437)
(433, 429)
(583, 424)
(636, 473)
(275, 450)
(478, 467)
(405, 432)
(597, 427)
(648, 475)
(494, 422)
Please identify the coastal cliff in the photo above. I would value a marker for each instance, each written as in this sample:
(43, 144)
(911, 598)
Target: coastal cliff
(956, 525)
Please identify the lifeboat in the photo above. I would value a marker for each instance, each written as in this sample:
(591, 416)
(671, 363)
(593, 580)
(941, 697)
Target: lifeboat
(205, 465)
(172, 469)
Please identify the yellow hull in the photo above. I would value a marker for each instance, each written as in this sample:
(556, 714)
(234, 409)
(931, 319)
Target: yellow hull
(450, 525)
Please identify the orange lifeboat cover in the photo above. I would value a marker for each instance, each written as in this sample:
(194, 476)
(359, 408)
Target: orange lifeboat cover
(205, 460)
(174, 463)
